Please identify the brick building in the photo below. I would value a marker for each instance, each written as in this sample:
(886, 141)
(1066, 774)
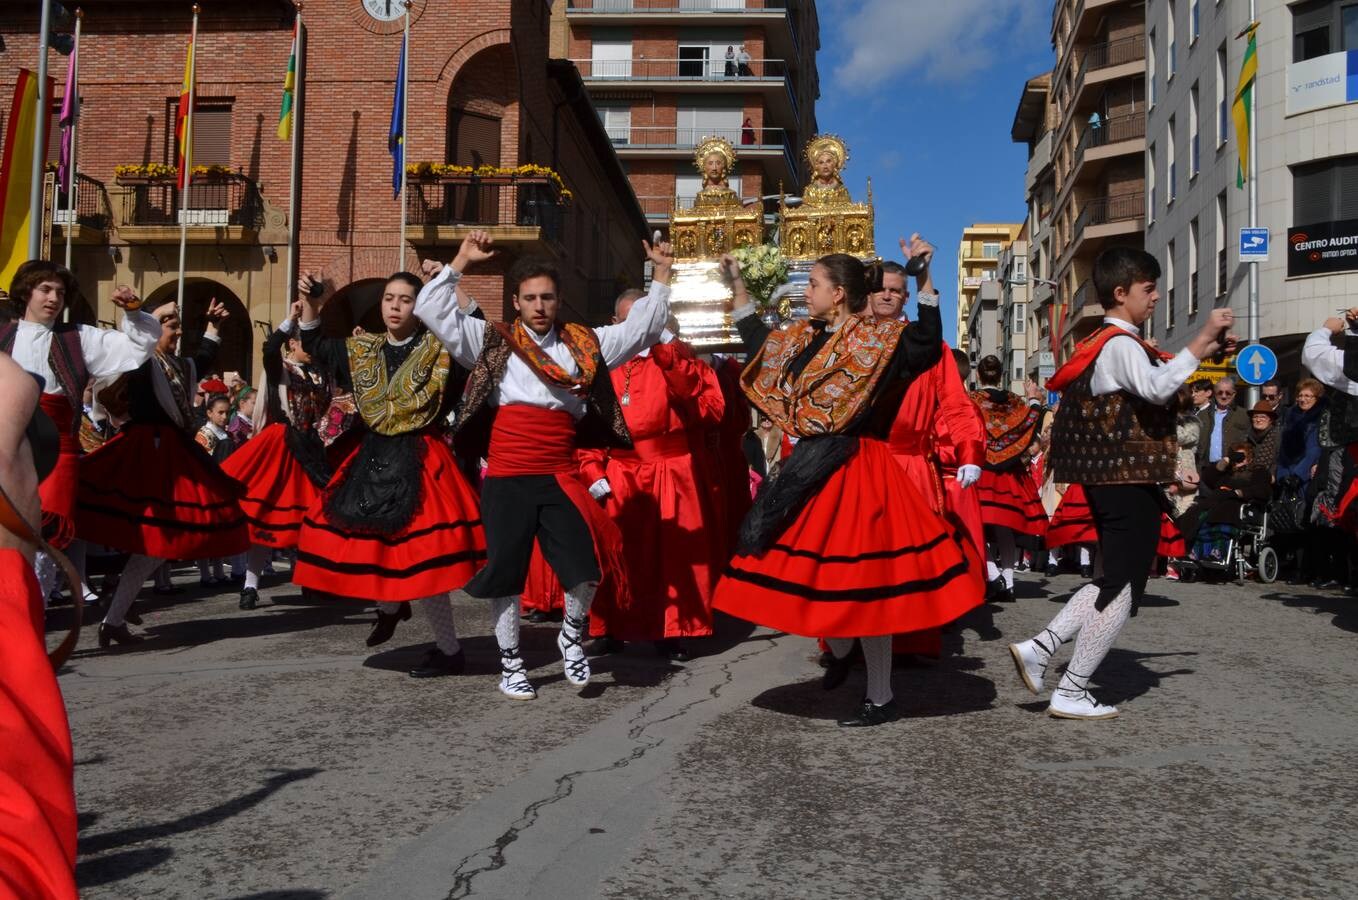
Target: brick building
(482, 91)
(661, 77)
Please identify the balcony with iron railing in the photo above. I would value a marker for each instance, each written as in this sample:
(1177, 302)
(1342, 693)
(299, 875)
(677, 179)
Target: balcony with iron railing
(703, 74)
(1100, 60)
(226, 208)
(516, 210)
(1120, 135)
(88, 212)
(1121, 210)
(773, 145)
(784, 38)
(1084, 312)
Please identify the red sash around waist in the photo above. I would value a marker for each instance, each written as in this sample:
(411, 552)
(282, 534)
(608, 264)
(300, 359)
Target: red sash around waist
(530, 440)
(62, 413)
(911, 443)
(663, 446)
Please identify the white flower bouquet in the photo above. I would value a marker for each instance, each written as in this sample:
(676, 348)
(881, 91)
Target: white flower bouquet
(764, 270)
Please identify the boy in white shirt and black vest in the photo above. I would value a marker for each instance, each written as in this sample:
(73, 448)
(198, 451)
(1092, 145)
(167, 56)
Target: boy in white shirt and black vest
(1114, 434)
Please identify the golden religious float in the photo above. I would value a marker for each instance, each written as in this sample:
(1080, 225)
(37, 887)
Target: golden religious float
(716, 224)
(827, 220)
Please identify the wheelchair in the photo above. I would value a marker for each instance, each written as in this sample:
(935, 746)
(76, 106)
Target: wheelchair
(1247, 551)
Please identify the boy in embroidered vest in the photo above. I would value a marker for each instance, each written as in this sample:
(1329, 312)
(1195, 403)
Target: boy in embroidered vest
(68, 358)
(540, 389)
(1114, 434)
(398, 522)
(151, 491)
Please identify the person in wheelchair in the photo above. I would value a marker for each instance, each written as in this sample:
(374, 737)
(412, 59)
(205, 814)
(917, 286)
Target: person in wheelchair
(1227, 485)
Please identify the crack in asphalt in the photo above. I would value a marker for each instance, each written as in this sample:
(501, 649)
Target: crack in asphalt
(565, 784)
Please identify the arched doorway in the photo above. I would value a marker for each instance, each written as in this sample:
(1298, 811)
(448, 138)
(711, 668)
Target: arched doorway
(236, 353)
(478, 101)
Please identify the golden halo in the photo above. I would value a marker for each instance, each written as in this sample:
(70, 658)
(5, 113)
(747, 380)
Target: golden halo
(710, 145)
(827, 143)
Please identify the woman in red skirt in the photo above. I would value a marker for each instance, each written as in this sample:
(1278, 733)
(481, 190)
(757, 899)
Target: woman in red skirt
(841, 544)
(151, 491)
(1073, 524)
(283, 468)
(398, 521)
(1009, 502)
(67, 358)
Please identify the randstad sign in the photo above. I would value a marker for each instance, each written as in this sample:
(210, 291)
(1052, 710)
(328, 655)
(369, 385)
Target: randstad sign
(1330, 80)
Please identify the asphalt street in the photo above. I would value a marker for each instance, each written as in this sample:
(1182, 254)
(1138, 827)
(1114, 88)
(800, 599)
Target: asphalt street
(269, 754)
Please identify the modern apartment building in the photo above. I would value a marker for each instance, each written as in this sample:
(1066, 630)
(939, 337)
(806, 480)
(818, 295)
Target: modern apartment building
(1098, 149)
(978, 259)
(1035, 124)
(1307, 134)
(1018, 337)
(664, 74)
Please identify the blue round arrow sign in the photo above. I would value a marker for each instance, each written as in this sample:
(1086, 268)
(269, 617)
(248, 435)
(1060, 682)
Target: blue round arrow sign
(1256, 364)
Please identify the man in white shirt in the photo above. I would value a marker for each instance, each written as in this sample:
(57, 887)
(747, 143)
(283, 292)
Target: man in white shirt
(539, 389)
(1114, 435)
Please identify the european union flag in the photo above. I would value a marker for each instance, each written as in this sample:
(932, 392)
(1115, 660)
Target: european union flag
(396, 138)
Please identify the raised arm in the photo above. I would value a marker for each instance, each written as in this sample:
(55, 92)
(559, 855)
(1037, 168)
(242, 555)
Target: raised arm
(922, 343)
(1326, 361)
(644, 324)
(327, 353)
(752, 330)
(107, 352)
(1124, 365)
(447, 311)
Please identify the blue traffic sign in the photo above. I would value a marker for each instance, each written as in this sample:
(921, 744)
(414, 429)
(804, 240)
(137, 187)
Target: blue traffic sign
(1254, 244)
(1256, 363)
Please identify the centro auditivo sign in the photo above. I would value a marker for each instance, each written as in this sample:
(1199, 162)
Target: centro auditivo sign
(1322, 248)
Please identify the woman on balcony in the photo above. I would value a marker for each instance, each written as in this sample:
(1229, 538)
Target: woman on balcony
(842, 544)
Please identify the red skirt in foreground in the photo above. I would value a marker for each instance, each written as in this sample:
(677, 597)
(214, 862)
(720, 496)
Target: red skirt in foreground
(1073, 523)
(440, 550)
(37, 798)
(662, 506)
(276, 489)
(542, 591)
(58, 490)
(152, 490)
(865, 557)
(1009, 500)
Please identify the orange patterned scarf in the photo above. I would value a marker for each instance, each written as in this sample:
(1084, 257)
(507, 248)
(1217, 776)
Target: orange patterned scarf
(579, 340)
(836, 385)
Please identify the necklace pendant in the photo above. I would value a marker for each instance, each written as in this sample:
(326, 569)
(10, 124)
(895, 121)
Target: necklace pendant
(627, 399)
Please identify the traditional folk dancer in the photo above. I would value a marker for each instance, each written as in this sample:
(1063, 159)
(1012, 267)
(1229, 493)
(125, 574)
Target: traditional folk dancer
(216, 443)
(1114, 434)
(938, 436)
(398, 522)
(1337, 367)
(67, 358)
(284, 467)
(842, 544)
(659, 496)
(1009, 502)
(151, 491)
(537, 392)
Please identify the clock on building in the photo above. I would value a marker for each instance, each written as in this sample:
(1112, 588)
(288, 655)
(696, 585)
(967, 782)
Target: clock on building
(385, 16)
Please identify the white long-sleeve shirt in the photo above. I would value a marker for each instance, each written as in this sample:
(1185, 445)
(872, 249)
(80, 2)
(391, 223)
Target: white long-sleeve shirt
(107, 352)
(1326, 362)
(1124, 366)
(464, 336)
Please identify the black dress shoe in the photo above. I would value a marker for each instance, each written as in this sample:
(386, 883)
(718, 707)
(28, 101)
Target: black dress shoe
(1053, 570)
(673, 649)
(603, 646)
(249, 598)
(538, 617)
(870, 714)
(116, 634)
(1086, 572)
(386, 623)
(132, 617)
(836, 670)
(436, 664)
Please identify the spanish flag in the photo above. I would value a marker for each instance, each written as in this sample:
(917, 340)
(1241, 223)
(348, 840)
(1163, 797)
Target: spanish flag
(16, 175)
(289, 89)
(1240, 109)
(181, 122)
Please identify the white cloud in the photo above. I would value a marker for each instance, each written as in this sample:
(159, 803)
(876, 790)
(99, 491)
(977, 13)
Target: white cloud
(939, 40)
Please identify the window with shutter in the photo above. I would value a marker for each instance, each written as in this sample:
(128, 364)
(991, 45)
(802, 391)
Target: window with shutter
(473, 140)
(1346, 188)
(1325, 191)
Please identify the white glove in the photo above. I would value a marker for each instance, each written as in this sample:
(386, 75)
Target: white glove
(600, 489)
(968, 475)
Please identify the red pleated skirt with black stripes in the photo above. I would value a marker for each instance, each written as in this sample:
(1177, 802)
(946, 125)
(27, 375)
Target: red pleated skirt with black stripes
(866, 556)
(1073, 523)
(276, 489)
(440, 550)
(1010, 500)
(150, 489)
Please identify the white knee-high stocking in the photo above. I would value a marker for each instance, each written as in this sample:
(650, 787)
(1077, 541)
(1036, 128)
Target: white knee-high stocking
(1093, 643)
(1078, 612)
(877, 655)
(571, 639)
(438, 611)
(256, 558)
(514, 682)
(139, 567)
(840, 647)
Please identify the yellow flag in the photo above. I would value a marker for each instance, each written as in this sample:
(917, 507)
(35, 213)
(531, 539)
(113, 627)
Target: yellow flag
(16, 177)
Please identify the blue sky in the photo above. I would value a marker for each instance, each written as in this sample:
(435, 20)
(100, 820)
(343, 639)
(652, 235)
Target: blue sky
(924, 93)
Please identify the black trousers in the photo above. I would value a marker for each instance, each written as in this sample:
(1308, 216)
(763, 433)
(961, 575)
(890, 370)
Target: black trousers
(515, 510)
(1127, 521)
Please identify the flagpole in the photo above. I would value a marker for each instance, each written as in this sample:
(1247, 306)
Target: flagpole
(295, 166)
(405, 139)
(187, 152)
(73, 168)
(40, 130)
(1253, 176)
